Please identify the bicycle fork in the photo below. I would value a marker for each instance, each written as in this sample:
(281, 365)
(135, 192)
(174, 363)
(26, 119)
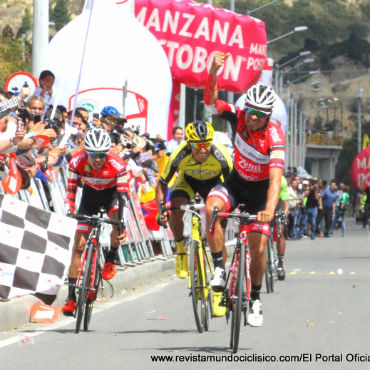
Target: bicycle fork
(201, 258)
(247, 293)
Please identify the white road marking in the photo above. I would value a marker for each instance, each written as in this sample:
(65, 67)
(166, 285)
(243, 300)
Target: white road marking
(21, 335)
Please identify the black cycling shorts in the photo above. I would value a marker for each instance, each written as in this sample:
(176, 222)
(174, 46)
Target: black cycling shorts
(187, 187)
(92, 200)
(235, 191)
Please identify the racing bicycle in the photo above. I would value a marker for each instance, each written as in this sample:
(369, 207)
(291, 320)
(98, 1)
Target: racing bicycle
(89, 281)
(238, 282)
(271, 251)
(199, 261)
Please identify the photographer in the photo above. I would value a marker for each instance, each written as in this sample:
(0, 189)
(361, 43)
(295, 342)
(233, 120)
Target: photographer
(143, 165)
(10, 105)
(31, 117)
(10, 135)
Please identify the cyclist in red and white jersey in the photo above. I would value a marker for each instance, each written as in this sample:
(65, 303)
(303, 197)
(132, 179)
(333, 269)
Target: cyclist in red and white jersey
(105, 185)
(259, 147)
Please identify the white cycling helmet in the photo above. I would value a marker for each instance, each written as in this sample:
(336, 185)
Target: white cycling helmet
(261, 96)
(97, 140)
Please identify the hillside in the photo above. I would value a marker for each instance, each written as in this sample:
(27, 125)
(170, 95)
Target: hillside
(337, 36)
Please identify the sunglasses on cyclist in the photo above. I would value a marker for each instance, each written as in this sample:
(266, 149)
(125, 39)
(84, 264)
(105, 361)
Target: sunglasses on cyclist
(258, 113)
(200, 145)
(97, 155)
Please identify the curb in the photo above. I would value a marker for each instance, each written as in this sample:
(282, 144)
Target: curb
(16, 312)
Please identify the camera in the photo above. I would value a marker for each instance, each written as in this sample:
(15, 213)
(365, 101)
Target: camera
(55, 124)
(44, 165)
(25, 114)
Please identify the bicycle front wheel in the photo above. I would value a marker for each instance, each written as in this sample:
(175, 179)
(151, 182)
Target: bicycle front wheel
(198, 287)
(84, 287)
(90, 302)
(237, 301)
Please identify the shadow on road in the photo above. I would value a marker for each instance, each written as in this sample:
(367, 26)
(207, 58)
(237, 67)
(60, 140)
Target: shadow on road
(153, 331)
(190, 349)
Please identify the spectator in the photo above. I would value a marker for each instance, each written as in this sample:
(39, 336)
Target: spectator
(10, 105)
(295, 200)
(178, 137)
(27, 167)
(312, 205)
(328, 196)
(343, 205)
(45, 90)
(337, 209)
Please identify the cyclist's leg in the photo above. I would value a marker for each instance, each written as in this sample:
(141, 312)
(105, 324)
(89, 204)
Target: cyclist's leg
(281, 246)
(257, 242)
(181, 194)
(177, 227)
(110, 203)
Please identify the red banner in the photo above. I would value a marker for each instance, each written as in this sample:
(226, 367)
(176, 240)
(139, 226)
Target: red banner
(360, 170)
(191, 33)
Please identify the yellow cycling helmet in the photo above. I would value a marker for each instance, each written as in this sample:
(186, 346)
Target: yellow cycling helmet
(199, 131)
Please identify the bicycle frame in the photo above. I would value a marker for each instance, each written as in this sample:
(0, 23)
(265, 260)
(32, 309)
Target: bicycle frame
(232, 275)
(198, 260)
(92, 242)
(203, 256)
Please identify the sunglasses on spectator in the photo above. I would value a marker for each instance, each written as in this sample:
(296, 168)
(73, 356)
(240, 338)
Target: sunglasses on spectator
(202, 144)
(258, 113)
(97, 155)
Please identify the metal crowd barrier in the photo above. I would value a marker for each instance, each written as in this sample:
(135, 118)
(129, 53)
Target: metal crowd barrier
(138, 247)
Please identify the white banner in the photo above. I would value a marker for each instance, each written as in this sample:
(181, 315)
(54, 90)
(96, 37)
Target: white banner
(118, 48)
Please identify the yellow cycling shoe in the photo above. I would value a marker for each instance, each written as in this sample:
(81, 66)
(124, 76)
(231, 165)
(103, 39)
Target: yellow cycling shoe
(182, 266)
(218, 310)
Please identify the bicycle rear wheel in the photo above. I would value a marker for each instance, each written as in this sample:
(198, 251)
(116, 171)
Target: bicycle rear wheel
(90, 302)
(83, 288)
(198, 295)
(269, 270)
(237, 301)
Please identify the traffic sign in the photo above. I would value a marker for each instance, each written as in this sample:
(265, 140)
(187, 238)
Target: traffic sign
(16, 81)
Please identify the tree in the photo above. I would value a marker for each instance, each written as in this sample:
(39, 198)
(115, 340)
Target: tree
(26, 24)
(60, 14)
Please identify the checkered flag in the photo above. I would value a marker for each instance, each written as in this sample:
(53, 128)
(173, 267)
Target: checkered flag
(35, 250)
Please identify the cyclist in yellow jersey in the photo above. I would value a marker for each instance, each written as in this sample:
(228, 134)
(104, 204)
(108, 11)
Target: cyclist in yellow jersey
(201, 163)
(281, 243)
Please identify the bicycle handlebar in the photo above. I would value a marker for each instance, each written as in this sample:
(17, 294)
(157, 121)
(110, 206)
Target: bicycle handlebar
(184, 207)
(96, 219)
(192, 207)
(245, 216)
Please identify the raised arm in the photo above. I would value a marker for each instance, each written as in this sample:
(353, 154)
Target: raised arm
(211, 90)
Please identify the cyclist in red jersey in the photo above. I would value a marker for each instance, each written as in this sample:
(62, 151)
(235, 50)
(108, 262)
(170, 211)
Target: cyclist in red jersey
(259, 147)
(105, 184)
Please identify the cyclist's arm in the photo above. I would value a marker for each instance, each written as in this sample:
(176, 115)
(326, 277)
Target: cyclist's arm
(160, 192)
(211, 101)
(273, 192)
(70, 198)
(122, 193)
